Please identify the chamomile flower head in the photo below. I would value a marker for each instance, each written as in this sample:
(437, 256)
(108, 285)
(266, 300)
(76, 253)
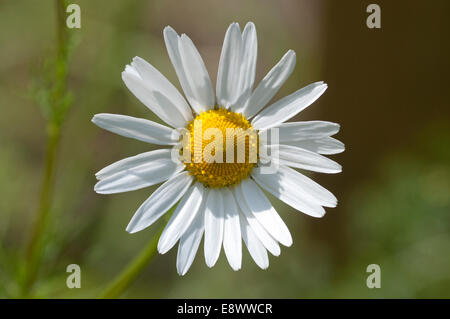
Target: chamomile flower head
(220, 150)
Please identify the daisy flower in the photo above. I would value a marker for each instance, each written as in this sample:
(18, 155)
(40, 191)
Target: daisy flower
(223, 201)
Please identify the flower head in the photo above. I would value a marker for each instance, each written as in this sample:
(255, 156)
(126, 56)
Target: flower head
(225, 150)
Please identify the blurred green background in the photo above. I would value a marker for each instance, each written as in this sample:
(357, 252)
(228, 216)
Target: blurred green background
(388, 88)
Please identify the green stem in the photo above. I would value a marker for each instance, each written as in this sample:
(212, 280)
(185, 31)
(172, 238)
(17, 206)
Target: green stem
(132, 270)
(35, 244)
(58, 107)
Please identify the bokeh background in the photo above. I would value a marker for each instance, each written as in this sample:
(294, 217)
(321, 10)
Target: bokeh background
(388, 88)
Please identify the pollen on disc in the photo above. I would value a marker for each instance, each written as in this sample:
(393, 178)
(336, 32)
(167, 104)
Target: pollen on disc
(221, 148)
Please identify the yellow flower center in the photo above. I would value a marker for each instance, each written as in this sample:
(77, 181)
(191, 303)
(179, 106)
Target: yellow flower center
(220, 147)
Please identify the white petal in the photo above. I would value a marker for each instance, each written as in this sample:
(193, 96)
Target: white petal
(182, 217)
(133, 161)
(288, 106)
(189, 242)
(301, 158)
(139, 129)
(248, 67)
(214, 219)
(254, 246)
(232, 241)
(199, 88)
(270, 85)
(267, 240)
(264, 212)
(197, 101)
(137, 172)
(155, 100)
(296, 190)
(229, 67)
(326, 145)
(297, 131)
(130, 69)
(164, 90)
(160, 202)
(171, 39)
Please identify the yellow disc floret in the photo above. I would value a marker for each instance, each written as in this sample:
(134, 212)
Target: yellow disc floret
(220, 147)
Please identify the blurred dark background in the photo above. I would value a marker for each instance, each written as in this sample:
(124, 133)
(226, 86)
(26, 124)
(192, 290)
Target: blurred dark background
(388, 88)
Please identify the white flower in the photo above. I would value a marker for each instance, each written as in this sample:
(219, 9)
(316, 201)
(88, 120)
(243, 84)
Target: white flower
(223, 201)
